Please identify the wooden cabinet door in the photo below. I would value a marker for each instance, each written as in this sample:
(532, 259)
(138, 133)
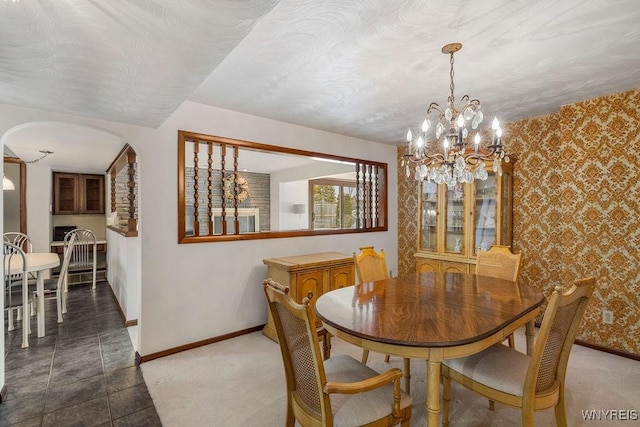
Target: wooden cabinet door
(341, 276)
(308, 284)
(426, 265)
(92, 194)
(454, 267)
(65, 194)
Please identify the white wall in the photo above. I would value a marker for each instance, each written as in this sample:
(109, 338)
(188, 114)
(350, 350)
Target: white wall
(39, 185)
(192, 292)
(123, 274)
(95, 223)
(11, 217)
(294, 192)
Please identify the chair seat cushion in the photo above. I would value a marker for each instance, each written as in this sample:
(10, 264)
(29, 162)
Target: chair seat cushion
(361, 408)
(499, 367)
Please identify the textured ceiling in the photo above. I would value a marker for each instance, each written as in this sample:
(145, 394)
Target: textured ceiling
(362, 68)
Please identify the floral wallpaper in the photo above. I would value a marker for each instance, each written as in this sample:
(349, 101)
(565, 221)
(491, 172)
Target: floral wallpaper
(576, 209)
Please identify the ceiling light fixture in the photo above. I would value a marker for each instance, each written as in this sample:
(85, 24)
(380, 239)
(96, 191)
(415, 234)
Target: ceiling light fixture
(456, 163)
(45, 153)
(7, 184)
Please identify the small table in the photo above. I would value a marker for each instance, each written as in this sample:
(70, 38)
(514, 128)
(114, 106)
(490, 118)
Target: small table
(37, 262)
(430, 316)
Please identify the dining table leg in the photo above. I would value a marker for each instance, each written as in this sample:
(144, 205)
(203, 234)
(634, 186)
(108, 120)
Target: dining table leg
(40, 307)
(530, 335)
(434, 365)
(26, 316)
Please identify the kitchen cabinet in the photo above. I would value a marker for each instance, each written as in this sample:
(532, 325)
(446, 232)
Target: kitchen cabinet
(309, 276)
(77, 194)
(457, 222)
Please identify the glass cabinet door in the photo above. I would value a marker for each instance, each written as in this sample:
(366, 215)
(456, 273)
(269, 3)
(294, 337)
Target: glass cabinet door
(485, 213)
(455, 218)
(428, 203)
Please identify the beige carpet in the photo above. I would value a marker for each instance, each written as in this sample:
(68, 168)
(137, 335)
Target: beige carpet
(240, 382)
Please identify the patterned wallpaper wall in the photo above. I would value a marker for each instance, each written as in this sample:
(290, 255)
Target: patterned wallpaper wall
(574, 220)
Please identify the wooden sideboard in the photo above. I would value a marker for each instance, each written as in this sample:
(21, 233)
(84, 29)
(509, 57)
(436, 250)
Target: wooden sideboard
(309, 276)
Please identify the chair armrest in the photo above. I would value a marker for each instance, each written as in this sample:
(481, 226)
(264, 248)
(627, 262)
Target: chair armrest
(392, 375)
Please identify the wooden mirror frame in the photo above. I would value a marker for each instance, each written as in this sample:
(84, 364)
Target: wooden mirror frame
(372, 187)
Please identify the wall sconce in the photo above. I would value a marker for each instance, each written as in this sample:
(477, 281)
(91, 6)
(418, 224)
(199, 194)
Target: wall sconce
(7, 184)
(299, 209)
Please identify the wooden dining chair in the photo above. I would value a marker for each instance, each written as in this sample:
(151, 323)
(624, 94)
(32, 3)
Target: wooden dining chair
(16, 290)
(501, 263)
(370, 266)
(534, 382)
(338, 391)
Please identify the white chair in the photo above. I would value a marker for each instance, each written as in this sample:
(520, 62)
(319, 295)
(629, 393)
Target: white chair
(84, 252)
(54, 287)
(16, 288)
(22, 241)
(19, 239)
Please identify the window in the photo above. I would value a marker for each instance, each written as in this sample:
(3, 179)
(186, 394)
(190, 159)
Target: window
(265, 191)
(334, 204)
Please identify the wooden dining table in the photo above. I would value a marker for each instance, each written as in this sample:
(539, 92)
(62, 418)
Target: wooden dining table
(430, 316)
(37, 262)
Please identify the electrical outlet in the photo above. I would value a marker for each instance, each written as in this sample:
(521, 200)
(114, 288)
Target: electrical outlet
(607, 317)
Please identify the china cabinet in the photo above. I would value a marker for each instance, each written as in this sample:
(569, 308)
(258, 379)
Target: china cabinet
(456, 222)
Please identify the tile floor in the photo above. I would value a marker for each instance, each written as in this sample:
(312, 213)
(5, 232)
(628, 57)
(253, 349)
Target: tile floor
(82, 373)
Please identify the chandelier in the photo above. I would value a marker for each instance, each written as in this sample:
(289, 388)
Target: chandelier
(456, 162)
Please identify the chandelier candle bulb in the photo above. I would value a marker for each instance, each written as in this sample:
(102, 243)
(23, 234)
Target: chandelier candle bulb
(454, 164)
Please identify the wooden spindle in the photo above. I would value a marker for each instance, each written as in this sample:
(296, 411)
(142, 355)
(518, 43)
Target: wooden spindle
(132, 224)
(236, 184)
(210, 186)
(196, 223)
(114, 174)
(223, 217)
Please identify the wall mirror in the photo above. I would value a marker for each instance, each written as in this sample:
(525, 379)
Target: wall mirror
(231, 189)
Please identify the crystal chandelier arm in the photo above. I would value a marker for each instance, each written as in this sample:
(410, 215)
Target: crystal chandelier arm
(434, 106)
(466, 104)
(426, 159)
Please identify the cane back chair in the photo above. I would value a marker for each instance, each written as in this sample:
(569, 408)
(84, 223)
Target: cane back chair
(534, 382)
(339, 391)
(499, 262)
(371, 266)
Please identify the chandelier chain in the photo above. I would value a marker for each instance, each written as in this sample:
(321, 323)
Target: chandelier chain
(451, 86)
